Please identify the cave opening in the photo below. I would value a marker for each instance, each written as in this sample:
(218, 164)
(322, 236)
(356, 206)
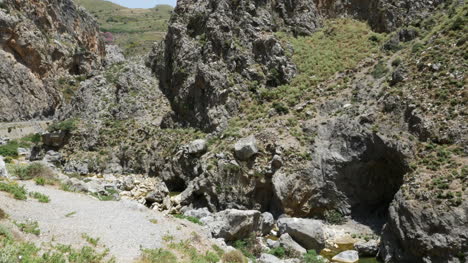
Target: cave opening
(371, 180)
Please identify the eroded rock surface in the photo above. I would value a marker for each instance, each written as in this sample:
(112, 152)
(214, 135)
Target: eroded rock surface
(39, 42)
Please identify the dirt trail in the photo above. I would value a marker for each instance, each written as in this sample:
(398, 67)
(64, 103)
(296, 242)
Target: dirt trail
(124, 226)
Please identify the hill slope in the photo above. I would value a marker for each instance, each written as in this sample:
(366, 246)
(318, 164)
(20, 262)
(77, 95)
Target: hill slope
(134, 30)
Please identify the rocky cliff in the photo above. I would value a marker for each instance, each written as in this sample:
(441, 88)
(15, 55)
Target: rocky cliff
(40, 41)
(294, 109)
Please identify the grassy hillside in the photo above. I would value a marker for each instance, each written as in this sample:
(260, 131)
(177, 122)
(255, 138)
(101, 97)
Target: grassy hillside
(135, 30)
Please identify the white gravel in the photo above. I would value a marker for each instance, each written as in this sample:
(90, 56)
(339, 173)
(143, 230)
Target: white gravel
(124, 226)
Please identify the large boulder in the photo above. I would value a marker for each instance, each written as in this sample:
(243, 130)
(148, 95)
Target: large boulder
(291, 246)
(367, 249)
(197, 213)
(309, 233)
(267, 222)
(418, 231)
(158, 194)
(197, 147)
(233, 224)
(3, 169)
(245, 148)
(348, 256)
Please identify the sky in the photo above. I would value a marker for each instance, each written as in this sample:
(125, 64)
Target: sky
(143, 3)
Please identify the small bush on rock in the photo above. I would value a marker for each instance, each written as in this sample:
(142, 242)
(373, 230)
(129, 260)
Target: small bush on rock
(64, 126)
(312, 257)
(234, 256)
(277, 252)
(334, 217)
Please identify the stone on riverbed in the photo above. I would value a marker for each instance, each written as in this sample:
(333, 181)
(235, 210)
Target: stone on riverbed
(348, 256)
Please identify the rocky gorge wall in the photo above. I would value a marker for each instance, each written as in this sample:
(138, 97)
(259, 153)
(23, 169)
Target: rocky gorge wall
(40, 41)
(370, 142)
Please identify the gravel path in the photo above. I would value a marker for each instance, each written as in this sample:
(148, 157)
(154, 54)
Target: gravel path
(123, 227)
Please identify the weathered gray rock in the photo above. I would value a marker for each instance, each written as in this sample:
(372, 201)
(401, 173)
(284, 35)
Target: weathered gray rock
(53, 157)
(291, 246)
(307, 232)
(197, 147)
(233, 224)
(198, 213)
(75, 166)
(77, 185)
(367, 249)
(418, 232)
(348, 256)
(114, 55)
(245, 148)
(347, 156)
(276, 162)
(128, 183)
(268, 258)
(158, 195)
(3, 169)
(267, 222)
(272, 243)
(41, 41)
(55, 140)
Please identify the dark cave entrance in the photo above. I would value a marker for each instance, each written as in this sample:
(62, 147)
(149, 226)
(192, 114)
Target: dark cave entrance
(371, 180)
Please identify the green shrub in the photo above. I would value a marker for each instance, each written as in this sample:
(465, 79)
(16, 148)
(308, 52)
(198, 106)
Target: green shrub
(418, 46)
(396, 62)
(457, 24)
(157, 256)
(3, 215)
(64, 126)
(40, 197)
(6, 233)
(9, 150)
(18, 192)
(29, 227)
(249, 247)
(312, 257)
(280, 108)
(34, 170)
(234, 256)
(379, 70)
(278, 252)
(334, 217)
(33, 138)
(189, 218)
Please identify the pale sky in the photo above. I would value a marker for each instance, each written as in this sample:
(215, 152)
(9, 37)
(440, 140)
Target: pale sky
(143, 3)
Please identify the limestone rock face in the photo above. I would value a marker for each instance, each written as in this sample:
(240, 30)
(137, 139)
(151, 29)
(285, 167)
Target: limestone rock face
(39, 41)
(418, 232)
(218, 49)
(348, 158)
(214, 48)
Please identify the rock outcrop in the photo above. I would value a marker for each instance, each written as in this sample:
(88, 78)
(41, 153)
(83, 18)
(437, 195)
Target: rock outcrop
(420, 232)
(383, 16)
(215, 50)
(354, 170)
(39, 42)
(307, 232)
